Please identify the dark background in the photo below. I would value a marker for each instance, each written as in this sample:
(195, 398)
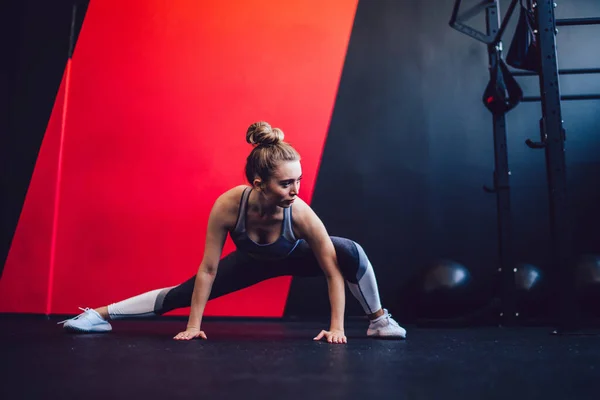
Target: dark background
(409, 145)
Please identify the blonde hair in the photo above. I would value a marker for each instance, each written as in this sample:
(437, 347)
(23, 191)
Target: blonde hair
(269, 150)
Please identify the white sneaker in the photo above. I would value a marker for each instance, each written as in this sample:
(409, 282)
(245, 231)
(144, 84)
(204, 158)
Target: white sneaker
(386, 327)
(88, 321)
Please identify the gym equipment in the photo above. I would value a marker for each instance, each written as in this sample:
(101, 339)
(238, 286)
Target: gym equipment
(540, 20)
(531, 290)
(587, 278)
(445, 290)
(524, 50)
(502, 93)
(501, 105)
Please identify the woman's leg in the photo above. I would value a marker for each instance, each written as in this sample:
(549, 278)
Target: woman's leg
(236, 271)
(360, 277)
(354, 266)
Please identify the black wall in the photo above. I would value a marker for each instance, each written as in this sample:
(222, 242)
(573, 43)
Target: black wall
(35, 52)
(410, 146)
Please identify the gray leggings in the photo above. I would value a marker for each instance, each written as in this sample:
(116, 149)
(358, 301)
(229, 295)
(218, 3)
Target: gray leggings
(238, 270)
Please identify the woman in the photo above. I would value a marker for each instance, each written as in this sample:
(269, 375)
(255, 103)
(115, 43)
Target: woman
(271, 241)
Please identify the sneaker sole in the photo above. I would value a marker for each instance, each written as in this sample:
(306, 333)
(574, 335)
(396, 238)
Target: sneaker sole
(378, 335)
(81, 330)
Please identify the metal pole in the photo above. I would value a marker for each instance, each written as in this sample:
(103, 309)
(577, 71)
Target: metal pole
(572, 71)
(554, 139)
(502, 185)
(566, 97)
(577, 21)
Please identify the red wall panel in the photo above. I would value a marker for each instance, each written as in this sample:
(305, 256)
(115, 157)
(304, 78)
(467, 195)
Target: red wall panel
(160, 96)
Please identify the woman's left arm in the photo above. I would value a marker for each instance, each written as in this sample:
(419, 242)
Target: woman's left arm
(311, 228)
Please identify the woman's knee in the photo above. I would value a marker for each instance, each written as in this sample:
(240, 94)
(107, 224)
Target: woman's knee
(177, 297)
(351, 258)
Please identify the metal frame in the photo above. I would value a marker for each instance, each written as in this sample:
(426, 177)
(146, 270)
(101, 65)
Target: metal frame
(571, 71)
(577, 21)
(566, 97)
(553, 138)
(501, 187)
(492, 37)
(502, 183)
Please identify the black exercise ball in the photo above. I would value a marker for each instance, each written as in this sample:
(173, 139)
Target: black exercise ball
(587, 280)
(446, 290)
(531, 290)
(528, 277)
(445, 275)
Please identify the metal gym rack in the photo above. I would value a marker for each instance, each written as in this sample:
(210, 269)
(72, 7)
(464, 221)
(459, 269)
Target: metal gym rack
(552, 139)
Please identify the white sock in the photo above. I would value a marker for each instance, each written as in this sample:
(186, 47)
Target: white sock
(379, 318)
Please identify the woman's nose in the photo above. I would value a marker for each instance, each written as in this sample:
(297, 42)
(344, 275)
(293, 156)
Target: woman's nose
(294, 190)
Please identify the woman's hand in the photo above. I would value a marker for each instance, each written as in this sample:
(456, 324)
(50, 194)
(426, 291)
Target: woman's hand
(332, 336)
(190, 333)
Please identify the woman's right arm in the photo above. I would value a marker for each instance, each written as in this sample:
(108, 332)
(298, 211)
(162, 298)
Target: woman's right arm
(215, 239)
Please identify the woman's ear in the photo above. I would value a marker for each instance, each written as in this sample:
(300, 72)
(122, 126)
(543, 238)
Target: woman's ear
(257, 183)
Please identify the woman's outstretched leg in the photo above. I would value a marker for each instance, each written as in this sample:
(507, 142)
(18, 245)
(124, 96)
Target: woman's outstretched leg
(236, 271)
(144, 305)
(96, 320)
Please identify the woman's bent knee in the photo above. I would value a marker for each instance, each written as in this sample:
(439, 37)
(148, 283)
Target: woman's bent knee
(351, 258)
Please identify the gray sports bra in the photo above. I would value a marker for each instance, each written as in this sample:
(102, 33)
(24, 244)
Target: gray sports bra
(280, 248)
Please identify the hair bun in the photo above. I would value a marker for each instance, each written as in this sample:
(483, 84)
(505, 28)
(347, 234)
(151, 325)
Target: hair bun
(261, 134)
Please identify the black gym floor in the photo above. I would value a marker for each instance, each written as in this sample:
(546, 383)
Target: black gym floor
(278, 360)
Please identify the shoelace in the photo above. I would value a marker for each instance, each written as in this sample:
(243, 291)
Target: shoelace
(85, 310)
(391, 320)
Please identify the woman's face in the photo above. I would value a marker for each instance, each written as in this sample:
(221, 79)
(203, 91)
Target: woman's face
(283, 186)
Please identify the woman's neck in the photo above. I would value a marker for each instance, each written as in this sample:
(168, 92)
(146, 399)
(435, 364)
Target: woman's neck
(258, 204)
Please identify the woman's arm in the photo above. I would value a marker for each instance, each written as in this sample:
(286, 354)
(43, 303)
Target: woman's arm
(312, 229)
(215, 239)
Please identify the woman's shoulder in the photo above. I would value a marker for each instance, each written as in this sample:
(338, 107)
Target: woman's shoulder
(234, 193)
(230, 200)
(301, 211)
(304, 219)
(227, 205)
